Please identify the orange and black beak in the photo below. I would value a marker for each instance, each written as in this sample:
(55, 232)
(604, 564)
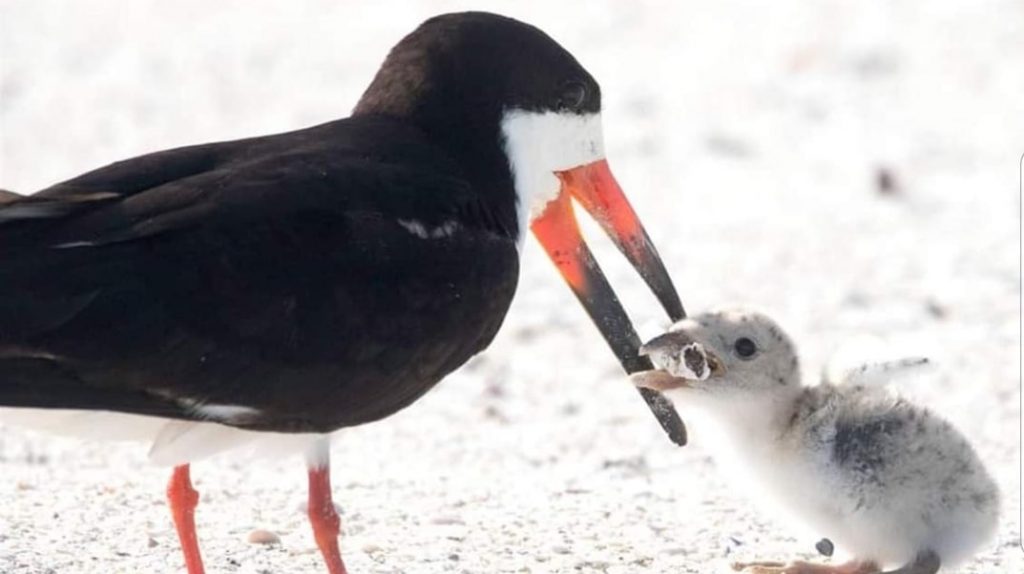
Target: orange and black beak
(594, 187)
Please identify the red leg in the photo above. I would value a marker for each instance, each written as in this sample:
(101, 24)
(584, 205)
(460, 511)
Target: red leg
(323, 517)
(183, 500)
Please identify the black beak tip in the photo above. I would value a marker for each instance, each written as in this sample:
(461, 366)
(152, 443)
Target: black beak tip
(667, 416)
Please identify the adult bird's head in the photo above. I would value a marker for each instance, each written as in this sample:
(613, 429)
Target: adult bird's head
(522, 118)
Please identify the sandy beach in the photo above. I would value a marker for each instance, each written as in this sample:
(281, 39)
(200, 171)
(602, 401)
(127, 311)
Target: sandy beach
(850, 167)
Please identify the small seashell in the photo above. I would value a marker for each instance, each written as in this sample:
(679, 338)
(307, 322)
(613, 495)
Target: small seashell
(263, 537)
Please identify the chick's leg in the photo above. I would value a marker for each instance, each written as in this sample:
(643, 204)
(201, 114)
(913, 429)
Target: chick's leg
(926, 562)
(800, 567)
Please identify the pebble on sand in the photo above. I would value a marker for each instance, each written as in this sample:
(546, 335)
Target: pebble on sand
(259, 536)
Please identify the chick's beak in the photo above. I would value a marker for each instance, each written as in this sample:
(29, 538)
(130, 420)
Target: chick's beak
(661, 380)
(595, 188)
(658, 380)
(681, 361)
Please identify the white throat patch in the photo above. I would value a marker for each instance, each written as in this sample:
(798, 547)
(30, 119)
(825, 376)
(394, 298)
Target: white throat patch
(540, 143)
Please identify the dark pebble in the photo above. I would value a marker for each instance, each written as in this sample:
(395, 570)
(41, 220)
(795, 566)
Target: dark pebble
(825, 547)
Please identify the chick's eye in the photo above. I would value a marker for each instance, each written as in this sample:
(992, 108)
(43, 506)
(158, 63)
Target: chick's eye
(745, 348)
(572, 96)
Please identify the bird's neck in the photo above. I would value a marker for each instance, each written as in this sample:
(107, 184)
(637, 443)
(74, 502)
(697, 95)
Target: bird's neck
(468, 130)
(748, 421)
(482, 163)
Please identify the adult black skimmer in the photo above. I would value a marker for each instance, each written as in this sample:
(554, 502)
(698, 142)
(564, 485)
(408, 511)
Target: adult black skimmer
(323, 278)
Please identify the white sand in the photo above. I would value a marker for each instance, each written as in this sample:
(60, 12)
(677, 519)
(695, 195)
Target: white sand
(748, 136)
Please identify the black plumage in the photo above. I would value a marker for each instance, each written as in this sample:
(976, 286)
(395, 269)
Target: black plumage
(238, 273)
(326, 277)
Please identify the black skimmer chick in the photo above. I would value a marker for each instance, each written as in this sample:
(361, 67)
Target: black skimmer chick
(299, 283)
(889, 482)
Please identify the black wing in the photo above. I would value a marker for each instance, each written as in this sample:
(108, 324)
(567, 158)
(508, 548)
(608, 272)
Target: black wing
(272, 273)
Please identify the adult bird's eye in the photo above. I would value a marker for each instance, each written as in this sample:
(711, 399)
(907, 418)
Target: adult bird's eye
(572, 96)
(745, 348)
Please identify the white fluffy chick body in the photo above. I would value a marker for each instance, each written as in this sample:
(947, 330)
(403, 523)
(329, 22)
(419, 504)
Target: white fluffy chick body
(888, 482)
